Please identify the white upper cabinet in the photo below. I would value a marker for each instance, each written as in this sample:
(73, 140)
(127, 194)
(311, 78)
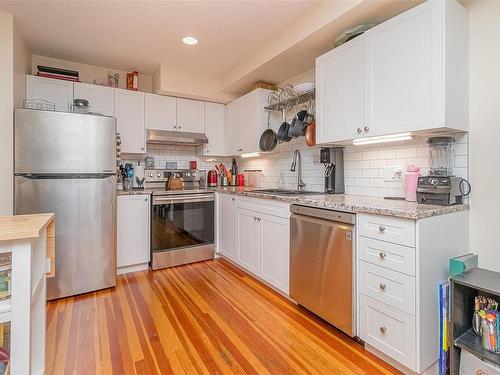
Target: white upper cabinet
(190, 115)
(129, 112)
(101, 98)
(161, 112)
(339, 92)
(215, 128)
(415, 75)
(235, 127)
(246, 121)
(53, 90)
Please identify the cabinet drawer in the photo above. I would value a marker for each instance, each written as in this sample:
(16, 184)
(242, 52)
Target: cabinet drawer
(391, 287)
(395, 257)
(388, 330)
(390, 229)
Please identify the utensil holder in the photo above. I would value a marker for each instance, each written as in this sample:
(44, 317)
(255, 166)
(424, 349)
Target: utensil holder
(128, 183)
(489, 336)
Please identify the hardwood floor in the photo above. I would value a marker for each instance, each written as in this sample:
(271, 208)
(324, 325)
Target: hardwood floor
(203, 318)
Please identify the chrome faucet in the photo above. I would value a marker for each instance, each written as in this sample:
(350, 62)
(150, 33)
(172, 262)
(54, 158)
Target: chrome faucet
(297, 156)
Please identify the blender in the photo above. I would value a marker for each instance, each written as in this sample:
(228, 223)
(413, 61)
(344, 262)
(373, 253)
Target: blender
(440, 187)
(441, 153)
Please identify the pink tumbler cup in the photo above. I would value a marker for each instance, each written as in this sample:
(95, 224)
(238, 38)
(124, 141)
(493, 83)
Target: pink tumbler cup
(411, 179)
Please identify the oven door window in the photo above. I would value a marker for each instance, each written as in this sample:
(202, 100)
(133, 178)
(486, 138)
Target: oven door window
(178, 225)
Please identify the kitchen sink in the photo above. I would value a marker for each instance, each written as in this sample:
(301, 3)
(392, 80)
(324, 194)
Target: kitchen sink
(285, 192)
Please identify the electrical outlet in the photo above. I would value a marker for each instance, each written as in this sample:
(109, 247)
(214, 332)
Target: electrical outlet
(394, 173)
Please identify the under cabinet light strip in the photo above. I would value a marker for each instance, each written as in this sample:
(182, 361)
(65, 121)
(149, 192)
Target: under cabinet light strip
(382, 139)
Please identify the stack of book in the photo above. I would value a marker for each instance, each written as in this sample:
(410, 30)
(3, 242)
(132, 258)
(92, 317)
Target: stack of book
(57, 73)
(5, 276)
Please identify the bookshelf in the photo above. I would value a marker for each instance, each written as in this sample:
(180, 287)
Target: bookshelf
(463, 288)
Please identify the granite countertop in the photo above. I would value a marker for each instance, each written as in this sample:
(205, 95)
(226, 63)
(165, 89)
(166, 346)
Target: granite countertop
(356, 203)
(341, 202)
(134, 192)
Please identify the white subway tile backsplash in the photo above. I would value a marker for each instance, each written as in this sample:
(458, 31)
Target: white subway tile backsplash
(408, 152)
(364, 165)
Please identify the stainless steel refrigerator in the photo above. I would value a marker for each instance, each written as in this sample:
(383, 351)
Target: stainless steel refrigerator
(65, 163)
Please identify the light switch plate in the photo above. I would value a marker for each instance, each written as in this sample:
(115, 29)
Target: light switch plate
(394, 173)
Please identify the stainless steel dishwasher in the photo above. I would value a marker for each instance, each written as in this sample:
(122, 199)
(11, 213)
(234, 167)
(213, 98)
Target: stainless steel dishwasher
(322, 264)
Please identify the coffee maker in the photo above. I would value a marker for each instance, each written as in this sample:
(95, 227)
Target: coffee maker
(333, 160)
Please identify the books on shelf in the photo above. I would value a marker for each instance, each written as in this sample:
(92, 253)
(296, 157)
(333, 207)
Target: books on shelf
(58, 73)
(444, 288)
(57, 76)
(5, 276)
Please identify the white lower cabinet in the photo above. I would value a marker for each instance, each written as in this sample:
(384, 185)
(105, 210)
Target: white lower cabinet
(248, 240)
(133, 240)
(227, 226)
(254, 239)
(400, 264)
(389, 330)
(275, 254)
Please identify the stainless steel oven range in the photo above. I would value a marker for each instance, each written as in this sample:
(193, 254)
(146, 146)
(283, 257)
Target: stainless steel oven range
(182, 225)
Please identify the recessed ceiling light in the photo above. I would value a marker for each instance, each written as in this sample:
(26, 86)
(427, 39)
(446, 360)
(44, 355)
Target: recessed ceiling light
(191, 40)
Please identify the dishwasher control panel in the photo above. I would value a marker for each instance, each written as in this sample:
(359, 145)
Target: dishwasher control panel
(344, 217)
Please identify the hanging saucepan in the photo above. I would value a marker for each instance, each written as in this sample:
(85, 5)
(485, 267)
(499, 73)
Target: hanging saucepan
(306, 115)
(268, 140)
(311, 134)
(284, 129)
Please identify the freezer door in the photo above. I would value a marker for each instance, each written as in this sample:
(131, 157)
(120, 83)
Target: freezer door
(58, 142)
(85, 229)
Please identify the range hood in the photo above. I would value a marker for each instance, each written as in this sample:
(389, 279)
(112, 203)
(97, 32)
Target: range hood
(166, 137)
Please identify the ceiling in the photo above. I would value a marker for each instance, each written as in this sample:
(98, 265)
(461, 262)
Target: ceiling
(144, 34)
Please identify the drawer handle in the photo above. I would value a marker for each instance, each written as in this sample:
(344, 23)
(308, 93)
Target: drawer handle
(382, 286)
(382, 255)
(381, 228)
(383, 330)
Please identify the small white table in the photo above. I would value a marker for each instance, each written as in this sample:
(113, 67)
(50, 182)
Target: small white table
(31, 241)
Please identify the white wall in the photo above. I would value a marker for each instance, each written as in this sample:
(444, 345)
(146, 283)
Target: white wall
(15, 63)
(90, 72)
(22, 66)
(186, 83)
(6, 112)
(484, 61)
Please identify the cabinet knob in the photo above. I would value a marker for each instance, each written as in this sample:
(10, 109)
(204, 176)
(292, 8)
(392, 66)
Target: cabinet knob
(175, 126)
(180, 127)
(142, 148)
(258, 219)
(208, 151)
(382, 255)
(382, 286)
(383, 330)
(366, 128)
(381, 228)
(360, 130)
(145, 199)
